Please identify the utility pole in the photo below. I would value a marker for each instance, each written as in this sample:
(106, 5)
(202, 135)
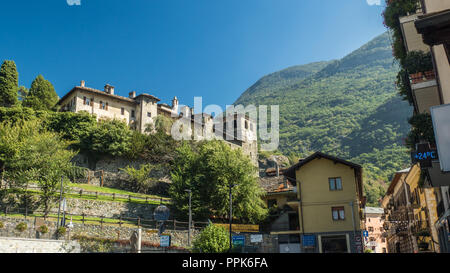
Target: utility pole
(60, 197)
(231, 215)
(190, 217)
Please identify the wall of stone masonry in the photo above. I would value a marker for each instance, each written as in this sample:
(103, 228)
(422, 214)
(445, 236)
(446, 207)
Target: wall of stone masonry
(178, 237)
(22, 245)
(99, 208)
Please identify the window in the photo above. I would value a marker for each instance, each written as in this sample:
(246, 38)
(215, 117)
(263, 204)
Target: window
(107, 106)
(246, 124)
(122, 111)
(370, 229)
(384, 250)
(102, 105)
(132, 113)
(85, 101)
(372, 239)
(335, 183)
(149, 114)
(338, 213)
(383, 240)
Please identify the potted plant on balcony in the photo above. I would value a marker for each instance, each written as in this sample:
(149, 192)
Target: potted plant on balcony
(419, 64)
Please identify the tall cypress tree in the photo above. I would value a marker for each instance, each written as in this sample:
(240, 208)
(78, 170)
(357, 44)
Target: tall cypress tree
(42, 95)
(9, 84)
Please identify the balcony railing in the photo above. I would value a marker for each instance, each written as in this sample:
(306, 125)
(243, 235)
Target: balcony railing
(422, 77)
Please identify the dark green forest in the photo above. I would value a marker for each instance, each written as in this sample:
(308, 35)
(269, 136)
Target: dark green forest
(348, 108)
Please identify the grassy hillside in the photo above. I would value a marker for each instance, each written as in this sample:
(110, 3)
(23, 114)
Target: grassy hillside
(348, 108)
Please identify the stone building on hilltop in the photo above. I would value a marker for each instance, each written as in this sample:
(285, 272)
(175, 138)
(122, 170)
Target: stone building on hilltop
(140, 112)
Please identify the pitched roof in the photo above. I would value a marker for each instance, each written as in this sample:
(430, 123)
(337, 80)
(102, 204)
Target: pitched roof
(100, 92)
(290, 172)
(396, 178)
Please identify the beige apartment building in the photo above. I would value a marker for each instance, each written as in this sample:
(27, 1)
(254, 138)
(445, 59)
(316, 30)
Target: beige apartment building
(374, 224)
(428, 30)
(140, 112)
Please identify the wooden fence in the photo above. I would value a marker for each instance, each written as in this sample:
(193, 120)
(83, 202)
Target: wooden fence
(171, 224)
(113, 196)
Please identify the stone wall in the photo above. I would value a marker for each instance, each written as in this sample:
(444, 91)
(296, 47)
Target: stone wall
(21, 245)
(115, 178)
(114, 232)
(179, 238)
(95, 208)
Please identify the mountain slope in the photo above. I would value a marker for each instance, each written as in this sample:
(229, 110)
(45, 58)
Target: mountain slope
(348, 108)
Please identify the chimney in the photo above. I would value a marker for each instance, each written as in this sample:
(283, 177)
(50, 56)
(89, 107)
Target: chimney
(109, 89)
(82, 84)
(132, 94)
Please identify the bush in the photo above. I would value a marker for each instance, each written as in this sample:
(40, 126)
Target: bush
(367, 250)
(21, 227)
(418, 61)
(1, 224)
(61, 231)
(213, 239)
(421, 130)
(43, 229)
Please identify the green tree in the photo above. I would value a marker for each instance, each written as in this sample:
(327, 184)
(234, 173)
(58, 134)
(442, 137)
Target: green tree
(209, 171)
(31, 154)
(42, 95)
(9, 84)
(140, 179)
(213, 239)
(107, 137)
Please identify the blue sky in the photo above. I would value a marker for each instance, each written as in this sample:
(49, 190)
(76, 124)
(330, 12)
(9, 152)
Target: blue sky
(210, 48)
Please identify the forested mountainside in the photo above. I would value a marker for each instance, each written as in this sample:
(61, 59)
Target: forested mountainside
(348, 108)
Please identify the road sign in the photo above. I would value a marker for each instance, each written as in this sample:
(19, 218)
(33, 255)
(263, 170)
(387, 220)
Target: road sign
(238, 240)
(164, 241)
(161, 213)
(309, 240)
(424, 155)
(256, 238)
(365, 233)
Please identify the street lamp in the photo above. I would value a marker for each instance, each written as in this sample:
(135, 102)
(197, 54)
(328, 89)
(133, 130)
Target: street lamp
(190, 217)
(231, 214)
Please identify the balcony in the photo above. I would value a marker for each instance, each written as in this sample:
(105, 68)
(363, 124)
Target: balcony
(421, 77)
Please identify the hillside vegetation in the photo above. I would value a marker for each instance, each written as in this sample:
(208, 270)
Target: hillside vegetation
(347, 108)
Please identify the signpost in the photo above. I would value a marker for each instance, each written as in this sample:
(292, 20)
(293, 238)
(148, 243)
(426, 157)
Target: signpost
(309, 241)
(365, 233)
(256, 238)
(424, 155)
(161, 214)
(165, 241)
(238, 240)
(441, 125)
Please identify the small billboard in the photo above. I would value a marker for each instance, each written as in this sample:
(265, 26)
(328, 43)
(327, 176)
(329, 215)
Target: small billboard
(441, 125)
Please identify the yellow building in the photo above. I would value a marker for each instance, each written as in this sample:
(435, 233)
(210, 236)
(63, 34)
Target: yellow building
(328, 204)
(411, 213)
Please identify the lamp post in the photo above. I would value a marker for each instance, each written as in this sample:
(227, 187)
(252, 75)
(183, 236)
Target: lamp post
(60, 200)
(231, 214)
(190, 217)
